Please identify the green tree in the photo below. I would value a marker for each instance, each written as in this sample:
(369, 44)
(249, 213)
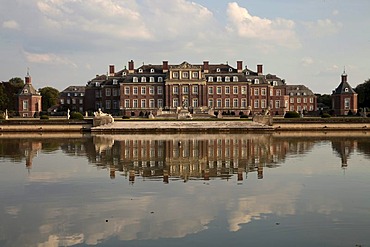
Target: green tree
(49, 97)
(363, 91)
(324, 99)
(3, 98)
(11, 90)
(16, 82)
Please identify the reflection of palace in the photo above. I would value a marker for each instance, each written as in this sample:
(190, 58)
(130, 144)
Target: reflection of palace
(193, 157)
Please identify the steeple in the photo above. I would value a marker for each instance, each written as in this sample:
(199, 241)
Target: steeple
(344, 75)
(28, 77)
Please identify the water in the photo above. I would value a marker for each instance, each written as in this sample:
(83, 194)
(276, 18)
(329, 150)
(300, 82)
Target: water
(282, 189)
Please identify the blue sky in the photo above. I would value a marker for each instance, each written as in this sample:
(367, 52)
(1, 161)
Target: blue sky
(68, 42)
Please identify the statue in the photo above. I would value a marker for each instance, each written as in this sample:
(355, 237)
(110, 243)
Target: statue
(6, 114)
(68, 114)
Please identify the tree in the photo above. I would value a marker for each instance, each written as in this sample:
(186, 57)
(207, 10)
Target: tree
(10, 91)
(49, 97)
(363, 91)
(324, 99)
(16, 82)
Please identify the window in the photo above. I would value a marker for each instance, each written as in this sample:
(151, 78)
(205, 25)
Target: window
(210, 103)
(304, 100)
(244, 103)
(68, 94)
(235, 103)
(127, 103)
(256, 91)
(195, 75)
(219, 90)
(311, 108)
(151, 70)
(195, 89)
(227, 90)
(256, 81)
(127, 90)
(151, 90)
(219, 79)
(271, 92)
(151, 103)
(291, 108)
(185, 89)
(195, 102)
(210, 79)
(244, 90)
(68, 101)
(227, 79)
(263, 104)
(347, 103)
(175, 102)
(25, 104)
(151, 79)
(218, 70)
(277, 104)
(291, 100)
(256, 103)
(235, 90)
(143, 79)
(107, 92)
(140, 70)
(210, 90)
(175, 75)
(74, 101)
(81, 94)
(107, 104)
(135, 79)
(143, 103)
(160, 79)
(115, 81)
(160, 103)
(135, 103)
(115, 104)
(227, 103)
(274, 83)
(235, 79)
(298, 100)
(175, 90)
(263, 91)
(346, 90)
(135, 90)
(185, 75)
(160, 90)
(219, 103)
(143, 90)
(62, 101)
(115, 92)
(311, 100)
(278, 92)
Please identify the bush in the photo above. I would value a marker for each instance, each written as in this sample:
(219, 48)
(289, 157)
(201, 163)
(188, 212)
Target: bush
(325, 115)
(44, 116)
(244, 116)
(292, 114)
(125, 117)
(77, 116)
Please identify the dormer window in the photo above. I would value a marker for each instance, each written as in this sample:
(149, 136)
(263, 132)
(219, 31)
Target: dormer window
(230, 70)
(227, 79)
(219, 79)
(115, 81)
(140, 70)
(256, 81)
(235, 78)
(143, 79)
(123, 73)
(151, 79)
(151, 70)
(160, 79)
(25, 91)
(135, 79)
(247, 73)
(218, 70)
(210, 79)
(346, 90)
(274, 83)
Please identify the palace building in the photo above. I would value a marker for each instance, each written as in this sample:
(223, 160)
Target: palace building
(218, 87)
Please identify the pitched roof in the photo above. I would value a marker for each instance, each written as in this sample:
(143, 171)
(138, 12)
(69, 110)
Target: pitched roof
(344, 87)
(28, 89)
(298, 90)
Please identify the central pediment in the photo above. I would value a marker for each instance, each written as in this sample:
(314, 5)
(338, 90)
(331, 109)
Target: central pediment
(185, 65)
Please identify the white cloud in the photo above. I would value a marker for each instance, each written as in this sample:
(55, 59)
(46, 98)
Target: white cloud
(335, 12)
(11, 24)
(279, 31)
(306, 61)
(323, 27)
(48, 58)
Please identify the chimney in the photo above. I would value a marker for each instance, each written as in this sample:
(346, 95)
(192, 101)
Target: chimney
(205, 66)
(239, 66)
(260, 69)
(165, 66)
(131, 66)
(111, 70)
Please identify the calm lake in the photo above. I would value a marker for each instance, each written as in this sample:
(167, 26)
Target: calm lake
(280, 189)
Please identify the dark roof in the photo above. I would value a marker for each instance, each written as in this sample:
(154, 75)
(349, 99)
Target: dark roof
(344, 87)
(74, 89)
(28, 89)
(298, 89)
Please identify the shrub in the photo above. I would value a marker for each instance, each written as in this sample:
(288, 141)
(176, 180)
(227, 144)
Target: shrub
(325, 115)
(292, 114)
(244, 116)
(77, 116)
(125, 117)
(44, 116)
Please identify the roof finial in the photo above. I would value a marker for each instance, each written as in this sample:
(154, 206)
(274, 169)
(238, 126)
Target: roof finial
(28, 71)
(344, 70)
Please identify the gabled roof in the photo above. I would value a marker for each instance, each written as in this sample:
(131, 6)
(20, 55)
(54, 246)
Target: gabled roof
(28, 89)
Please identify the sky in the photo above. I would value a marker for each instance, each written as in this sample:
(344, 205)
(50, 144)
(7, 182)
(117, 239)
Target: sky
(67, 42)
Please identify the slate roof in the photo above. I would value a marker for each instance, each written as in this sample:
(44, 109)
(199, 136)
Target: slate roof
(298, 90)
(344, 87)
(28, 89)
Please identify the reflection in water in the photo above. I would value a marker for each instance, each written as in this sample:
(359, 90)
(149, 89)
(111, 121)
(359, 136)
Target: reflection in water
(65, 201)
